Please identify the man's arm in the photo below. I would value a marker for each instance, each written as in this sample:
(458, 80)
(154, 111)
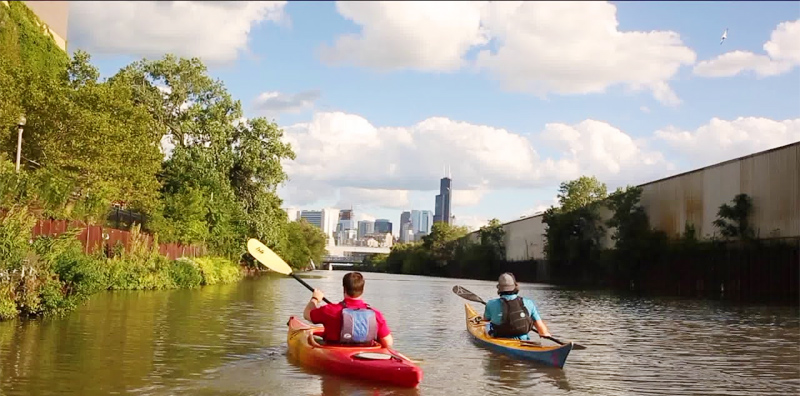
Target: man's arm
(384, 333)
(316, 299)
(538, 323)
(387, 341)
(487, 311)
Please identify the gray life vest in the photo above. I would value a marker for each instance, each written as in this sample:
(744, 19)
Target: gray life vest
(359, 325)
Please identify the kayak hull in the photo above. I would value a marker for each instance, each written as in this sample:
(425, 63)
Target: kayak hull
(371, 363)
(550, 355)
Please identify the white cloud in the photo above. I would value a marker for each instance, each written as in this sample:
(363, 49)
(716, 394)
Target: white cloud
(345, 152)
(540, 207)
(602, 150)
(214, 31)
(474, 223)
(274, 103)
(395, 199)
(644, 109)
(361, 216)
(464, 198)
(537, 47)
(782, 54)
(414, 34)
(577, 48)
(722, 140)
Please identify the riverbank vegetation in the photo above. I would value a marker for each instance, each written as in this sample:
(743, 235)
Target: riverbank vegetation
(596, 239)
(160, 138)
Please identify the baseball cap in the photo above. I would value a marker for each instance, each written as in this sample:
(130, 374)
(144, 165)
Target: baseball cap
(506, 282)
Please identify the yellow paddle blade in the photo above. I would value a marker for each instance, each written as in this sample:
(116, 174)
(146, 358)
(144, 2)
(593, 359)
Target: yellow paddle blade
(267, 257)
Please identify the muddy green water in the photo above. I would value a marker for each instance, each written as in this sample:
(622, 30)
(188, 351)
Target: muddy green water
(231, 340)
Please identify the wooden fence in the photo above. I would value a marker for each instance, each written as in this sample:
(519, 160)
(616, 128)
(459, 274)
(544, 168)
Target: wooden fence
(94, 238)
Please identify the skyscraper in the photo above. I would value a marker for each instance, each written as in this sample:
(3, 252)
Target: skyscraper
(421, 221)
(442, 208)
(405, 226)
(383, 226)
(346, 214)
(365, 227)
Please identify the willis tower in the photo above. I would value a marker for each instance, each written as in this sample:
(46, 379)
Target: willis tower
(442, 208)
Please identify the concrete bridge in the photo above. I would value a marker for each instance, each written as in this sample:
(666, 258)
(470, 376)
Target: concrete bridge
(343, 251)
(347, 256)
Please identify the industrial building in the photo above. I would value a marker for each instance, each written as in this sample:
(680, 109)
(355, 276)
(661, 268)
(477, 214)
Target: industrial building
(771, 178)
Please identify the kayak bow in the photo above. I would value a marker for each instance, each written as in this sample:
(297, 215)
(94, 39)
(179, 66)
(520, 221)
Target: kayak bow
(551, 355)
(371, 363)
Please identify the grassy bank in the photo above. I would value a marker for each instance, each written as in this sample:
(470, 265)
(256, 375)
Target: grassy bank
(49, 276)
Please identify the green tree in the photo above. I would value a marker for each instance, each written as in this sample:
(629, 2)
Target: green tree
(733, 221)
(235, 162)
(492, 236)
(574, 229)
(305, 242)
(580, 193)
(636, 244)
(441, 242)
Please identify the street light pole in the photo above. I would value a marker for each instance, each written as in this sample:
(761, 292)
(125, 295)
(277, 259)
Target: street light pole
(20, 126)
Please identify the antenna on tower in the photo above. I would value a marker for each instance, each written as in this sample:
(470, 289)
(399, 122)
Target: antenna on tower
(449, 175)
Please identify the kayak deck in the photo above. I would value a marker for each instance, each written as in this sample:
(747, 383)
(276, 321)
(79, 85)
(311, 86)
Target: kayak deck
(372, 363)
(555, 355)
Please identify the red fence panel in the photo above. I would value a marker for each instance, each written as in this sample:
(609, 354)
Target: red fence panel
(93, 238)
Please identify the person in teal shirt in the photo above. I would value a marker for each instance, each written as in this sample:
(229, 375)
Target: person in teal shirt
(520, 313)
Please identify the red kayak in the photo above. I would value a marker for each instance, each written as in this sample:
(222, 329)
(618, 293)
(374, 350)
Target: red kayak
(372, 363)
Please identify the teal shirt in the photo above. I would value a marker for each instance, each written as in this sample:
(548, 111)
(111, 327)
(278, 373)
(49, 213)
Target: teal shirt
(494, 311)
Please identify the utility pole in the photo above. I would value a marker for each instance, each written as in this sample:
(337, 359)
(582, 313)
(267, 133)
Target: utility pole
(20, 126)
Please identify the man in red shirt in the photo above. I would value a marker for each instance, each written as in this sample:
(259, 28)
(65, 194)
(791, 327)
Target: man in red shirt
(351, 321)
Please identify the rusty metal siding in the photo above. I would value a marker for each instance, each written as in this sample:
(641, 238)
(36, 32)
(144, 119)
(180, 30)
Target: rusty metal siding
(721, 184)
(771, 178)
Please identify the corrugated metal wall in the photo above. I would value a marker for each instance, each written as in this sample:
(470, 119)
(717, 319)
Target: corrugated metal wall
(771, 179)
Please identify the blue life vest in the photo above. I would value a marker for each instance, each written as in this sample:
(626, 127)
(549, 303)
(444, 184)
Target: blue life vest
(359, 326)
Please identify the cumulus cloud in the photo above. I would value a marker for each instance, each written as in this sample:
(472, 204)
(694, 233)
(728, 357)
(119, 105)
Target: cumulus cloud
(465, 198)
(394, 199)
(782, 54)
(214, 31)
(600, 149)
(408, 35)
(474, 223)
(536, 47)
(274, 103)
(722, 140)
(369, 163)
(540, 206)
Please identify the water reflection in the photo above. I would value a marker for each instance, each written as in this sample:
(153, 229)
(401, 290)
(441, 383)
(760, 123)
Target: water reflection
(231, 340)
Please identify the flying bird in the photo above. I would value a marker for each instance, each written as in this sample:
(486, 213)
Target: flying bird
(724, 36)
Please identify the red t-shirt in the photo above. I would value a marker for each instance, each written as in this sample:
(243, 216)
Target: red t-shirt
(330, 316)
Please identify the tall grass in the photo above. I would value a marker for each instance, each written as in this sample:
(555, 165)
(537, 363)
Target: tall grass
(53, 276)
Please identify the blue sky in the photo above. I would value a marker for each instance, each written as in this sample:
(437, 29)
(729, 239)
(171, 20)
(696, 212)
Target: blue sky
(607, 90)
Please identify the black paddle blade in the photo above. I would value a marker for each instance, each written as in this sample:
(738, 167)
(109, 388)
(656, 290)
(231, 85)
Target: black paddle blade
(467, 295)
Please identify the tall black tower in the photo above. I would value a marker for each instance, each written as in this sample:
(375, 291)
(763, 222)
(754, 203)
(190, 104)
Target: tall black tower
(443, 199)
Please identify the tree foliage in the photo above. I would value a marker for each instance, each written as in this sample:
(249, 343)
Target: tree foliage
(574, 229)
(308, 243)
(230, 164)
(733, 220)
(88, 143)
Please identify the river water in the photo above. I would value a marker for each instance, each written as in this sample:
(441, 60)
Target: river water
(231, 340)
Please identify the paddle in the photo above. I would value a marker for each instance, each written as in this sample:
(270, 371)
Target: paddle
(271, 260)
(266, 256)
(468, 295)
